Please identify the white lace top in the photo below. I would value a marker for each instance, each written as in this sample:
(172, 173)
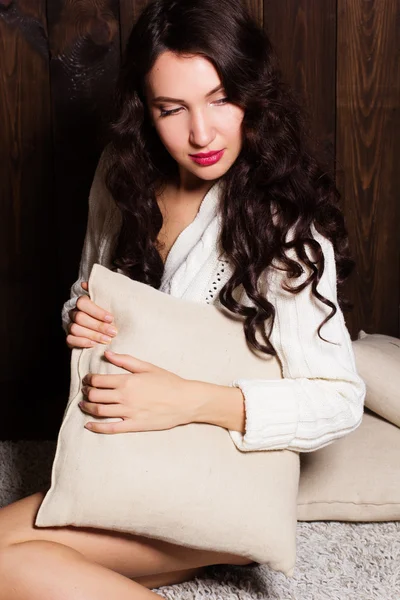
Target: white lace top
(321, 396)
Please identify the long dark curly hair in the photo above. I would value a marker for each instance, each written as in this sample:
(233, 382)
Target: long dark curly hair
(275, 185)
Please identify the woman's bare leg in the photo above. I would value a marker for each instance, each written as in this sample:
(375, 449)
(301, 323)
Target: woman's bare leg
(47, 570)
(92, 557)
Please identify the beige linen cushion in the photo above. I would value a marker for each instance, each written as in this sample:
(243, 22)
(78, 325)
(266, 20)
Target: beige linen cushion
(378, 362)
(357, 478)
(188, 485)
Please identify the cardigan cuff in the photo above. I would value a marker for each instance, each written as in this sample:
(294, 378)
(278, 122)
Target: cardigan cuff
(69, 305)
(272, 414)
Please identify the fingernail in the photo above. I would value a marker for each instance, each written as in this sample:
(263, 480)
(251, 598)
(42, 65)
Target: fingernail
(105, 339)
(111, 330)
(108, 318)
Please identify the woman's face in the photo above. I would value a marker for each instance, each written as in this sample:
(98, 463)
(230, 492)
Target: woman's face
(192, 115)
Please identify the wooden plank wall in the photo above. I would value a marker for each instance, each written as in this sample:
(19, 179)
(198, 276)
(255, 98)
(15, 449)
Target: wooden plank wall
(368, 147)
(58, 63)
(28, 309)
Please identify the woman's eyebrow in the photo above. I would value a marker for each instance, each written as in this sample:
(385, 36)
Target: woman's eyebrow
(166, 99)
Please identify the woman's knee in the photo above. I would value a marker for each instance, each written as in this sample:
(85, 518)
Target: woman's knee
(13, 563)
(5, 529)
(17, 520)
(8, 564)
(37, 566)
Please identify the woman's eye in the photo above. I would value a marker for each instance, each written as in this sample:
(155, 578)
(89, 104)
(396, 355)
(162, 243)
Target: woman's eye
(222, 101)
(166, 113)
(175, 111)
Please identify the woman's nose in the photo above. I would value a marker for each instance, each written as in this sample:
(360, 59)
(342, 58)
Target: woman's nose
(202, 131)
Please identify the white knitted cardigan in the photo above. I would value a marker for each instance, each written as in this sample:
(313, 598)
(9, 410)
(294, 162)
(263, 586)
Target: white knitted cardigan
(321, 396)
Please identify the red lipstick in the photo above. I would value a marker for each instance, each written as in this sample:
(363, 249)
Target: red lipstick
(207, 158)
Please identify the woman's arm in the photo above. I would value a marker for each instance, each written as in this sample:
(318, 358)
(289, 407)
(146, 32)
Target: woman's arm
(102, 224)
(321, 396)
(217, 405)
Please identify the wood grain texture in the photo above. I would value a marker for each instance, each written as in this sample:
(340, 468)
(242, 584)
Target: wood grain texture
(368, 99)
(84, 59)
(28, 18)
(256, 9)
(129, 13)
(28, 310)
(84, 52)
(303, 33)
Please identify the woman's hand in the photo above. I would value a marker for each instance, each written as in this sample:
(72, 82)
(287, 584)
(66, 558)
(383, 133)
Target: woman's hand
(90, 324)
(148, 398)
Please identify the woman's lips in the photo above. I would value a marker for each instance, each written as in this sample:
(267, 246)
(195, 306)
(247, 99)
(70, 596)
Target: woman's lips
(206, 159)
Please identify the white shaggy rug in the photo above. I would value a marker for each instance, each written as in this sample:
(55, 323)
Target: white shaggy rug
(335, 561)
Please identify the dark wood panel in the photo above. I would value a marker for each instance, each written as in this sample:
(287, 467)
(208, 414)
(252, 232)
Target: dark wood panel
(129, 12)
(85, 53)
(303, 33)
(28, 312)
(256, 9)
(84, 45)
(368, 146)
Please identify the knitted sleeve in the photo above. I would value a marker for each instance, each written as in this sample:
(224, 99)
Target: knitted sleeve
(102, 225)
(321, 396)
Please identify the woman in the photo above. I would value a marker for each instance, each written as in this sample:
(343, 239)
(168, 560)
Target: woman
(212, 195)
